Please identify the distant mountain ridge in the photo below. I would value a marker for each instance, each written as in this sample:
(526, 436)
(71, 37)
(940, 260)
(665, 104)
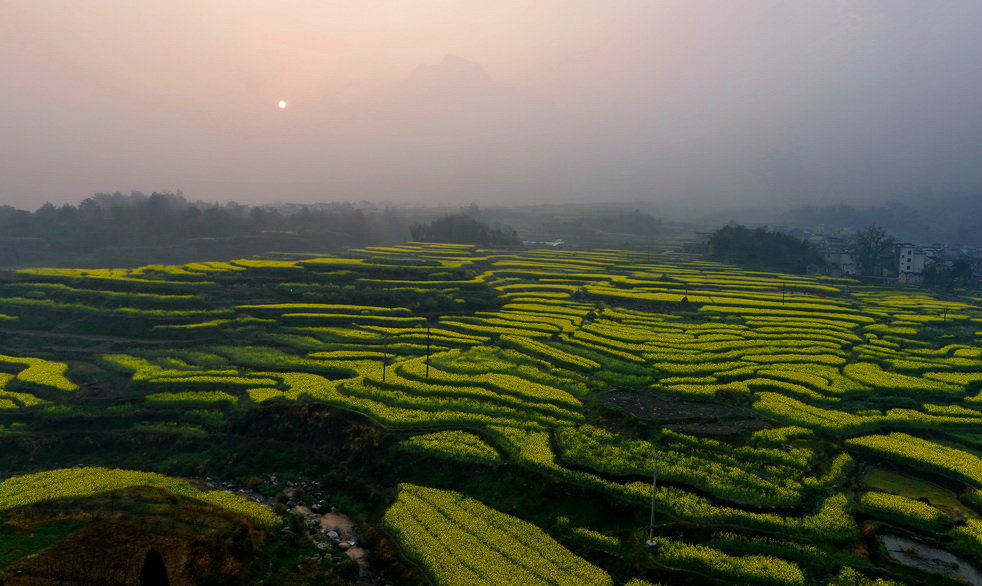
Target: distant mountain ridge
(457, 93)
(452, 68)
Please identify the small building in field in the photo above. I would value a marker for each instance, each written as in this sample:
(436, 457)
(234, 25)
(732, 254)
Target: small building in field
(841, 262)
(909, 258)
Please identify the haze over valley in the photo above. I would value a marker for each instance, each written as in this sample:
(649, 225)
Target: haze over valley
(709, 103)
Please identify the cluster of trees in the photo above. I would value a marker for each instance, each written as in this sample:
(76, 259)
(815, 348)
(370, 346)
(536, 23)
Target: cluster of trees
(463, 229)
(759, 248)
(116, 229)
(874, 246)
(942, 277)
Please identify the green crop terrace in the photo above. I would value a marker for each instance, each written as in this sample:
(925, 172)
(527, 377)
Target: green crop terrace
(517, 400)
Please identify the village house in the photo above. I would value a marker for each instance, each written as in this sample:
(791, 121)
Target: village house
(908, 258)
(841, 262)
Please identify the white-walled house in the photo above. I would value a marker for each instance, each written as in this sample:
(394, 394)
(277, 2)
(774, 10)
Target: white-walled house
(909, 258)
(844, 262)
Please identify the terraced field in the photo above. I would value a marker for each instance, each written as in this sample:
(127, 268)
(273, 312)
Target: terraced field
(764, 396)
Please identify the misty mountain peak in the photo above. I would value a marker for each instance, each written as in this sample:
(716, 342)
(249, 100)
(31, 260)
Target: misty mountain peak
(458, 63)
(452, 69)
(453, 98)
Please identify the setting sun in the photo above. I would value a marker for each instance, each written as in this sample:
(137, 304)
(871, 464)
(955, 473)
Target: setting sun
(281, 104)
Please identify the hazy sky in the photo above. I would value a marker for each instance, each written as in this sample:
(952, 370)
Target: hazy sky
(698, 100)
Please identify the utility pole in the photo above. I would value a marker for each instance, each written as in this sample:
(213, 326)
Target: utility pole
(651, 543)
(385, 353)
(427, 351)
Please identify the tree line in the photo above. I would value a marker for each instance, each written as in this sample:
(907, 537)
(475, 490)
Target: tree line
(117, 229)
(760, 248)
(463, 229)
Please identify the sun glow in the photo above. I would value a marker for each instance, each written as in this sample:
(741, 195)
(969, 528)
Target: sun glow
(281, 104)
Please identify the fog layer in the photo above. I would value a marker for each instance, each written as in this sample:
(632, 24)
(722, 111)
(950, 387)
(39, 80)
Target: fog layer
(504, 102)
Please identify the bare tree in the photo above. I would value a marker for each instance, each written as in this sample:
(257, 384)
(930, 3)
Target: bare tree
(872, 246)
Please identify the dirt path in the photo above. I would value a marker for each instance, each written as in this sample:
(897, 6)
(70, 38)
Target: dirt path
(348, 540)
(347, 534)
